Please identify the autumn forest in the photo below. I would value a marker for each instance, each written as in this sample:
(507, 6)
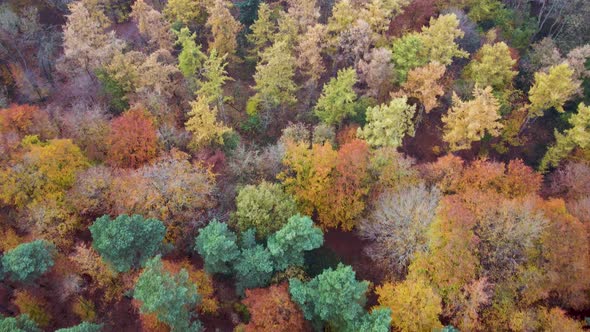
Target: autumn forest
(294, 165)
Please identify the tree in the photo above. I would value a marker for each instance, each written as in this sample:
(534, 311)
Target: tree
(577, 136)
(288, 245)
(407, 53)
(469, 121)
(415, 306)
(33, 306)
(274, 76)
(171, 297)
(28, 261)
(551, 89)
(217, 245)
(350, 186)
(29, 48)
(388, 124)
(17, 121)
(253, 268)
(439, 39)
(248, 11)
(566, 262)
(157, 73)
(334, 297)
(187, 12)
(556, 319)
(172, 190)
(309, 175)
(104, 278)
(214, 77)
(304, 13)
(21, 323)
(190, 58)
(423, 83)
(152, 25)
(127, 241)
(492, 66)
(83, 327)
(266, 208)
(343, 17)
(397, 226)
(224, 28)
(337, 99)
(271, 309)
(132, 140)
(377, 72)
(203, 124)
(309, 48)
(262, 30)
(353, 44)
(86, 44)
(44, 172)
(201, 279)
(507, 231)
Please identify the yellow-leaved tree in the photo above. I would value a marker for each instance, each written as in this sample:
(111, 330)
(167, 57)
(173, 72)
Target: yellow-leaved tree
(152, 25)
(468, 121)
(187, 12)
(224, 28)
(203, 124)
(415, 306)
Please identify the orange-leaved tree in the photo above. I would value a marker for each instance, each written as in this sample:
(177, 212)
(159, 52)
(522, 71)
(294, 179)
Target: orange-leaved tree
(132, 140)
(271, 309)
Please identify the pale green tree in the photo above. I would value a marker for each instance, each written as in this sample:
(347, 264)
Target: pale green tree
(552, 89)
(439, 39)
(265, 208)
(388, 124)
(274, 76)
(407, 54)
(343, 17)
(213, 77)
(262, 30)
(191, 57)
(577, 136)
(492, 66)
(338, 97)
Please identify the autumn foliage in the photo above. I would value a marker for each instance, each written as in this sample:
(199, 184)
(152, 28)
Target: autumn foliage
(132, 141)
(271, 309)
(295, 165)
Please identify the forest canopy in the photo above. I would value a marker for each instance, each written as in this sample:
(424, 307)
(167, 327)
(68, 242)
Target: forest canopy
(297, 165)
